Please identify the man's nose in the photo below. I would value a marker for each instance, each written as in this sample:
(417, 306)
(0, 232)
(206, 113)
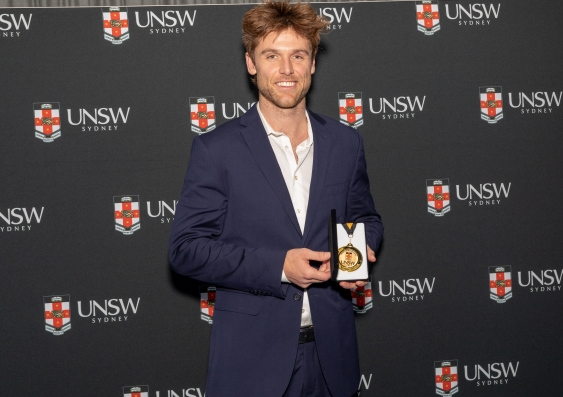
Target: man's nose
(286, 66)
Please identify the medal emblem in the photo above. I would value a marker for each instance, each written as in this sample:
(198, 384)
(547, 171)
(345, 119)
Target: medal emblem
(349, 257)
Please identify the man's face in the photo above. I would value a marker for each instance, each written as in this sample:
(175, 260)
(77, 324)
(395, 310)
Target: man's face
(283, 65)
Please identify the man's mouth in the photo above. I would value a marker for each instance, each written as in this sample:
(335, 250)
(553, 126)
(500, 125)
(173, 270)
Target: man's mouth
(286, 83)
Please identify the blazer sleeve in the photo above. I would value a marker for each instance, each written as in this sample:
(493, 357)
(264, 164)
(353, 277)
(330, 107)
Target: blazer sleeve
(359, 204)
(195, 248)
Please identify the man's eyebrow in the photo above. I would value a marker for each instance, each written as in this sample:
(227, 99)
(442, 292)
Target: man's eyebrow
(275, 51)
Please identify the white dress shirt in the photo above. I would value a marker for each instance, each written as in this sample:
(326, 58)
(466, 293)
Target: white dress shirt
(297, 176)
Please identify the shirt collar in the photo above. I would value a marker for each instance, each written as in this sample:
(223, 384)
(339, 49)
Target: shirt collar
(270, 130)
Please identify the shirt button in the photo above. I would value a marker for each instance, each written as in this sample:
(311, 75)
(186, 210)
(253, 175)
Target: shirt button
(295, 177)
(286, 147)
(296, 297)
(298, 211)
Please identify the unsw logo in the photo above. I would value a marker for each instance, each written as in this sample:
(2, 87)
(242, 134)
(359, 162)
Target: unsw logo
(535, 102)
(57, 313)
(438, 195)
(472, 14)
(427, 17)
(165, 211)
(447, 376)
(500, 283)
(492, 374)
(20, 219)
(202, 114)
(10, 24)
(99, 119)
(143, 391)
(351, 109)
(207, 302)
(110, 311)
(47, 120)
(166, 22)
(401, 107)
(116, 24)
(491, 104)
(486, 194)
(362, 298)
(189, 392)
(543, 281)
(127, 214)
(412, 289)
(333, 14)
(238, 109)
(136, 391)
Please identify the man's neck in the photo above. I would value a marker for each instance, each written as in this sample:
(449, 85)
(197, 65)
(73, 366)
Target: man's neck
(292, 122)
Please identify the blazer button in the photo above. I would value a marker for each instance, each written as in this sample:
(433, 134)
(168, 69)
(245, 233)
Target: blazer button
(296, 297)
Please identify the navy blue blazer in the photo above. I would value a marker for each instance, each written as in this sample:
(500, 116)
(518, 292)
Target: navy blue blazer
(233, 226)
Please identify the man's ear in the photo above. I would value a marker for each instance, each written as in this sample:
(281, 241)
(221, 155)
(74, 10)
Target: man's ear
(313, 66)
(250, 64)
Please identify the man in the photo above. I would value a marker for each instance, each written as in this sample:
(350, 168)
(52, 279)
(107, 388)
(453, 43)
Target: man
(253, 220)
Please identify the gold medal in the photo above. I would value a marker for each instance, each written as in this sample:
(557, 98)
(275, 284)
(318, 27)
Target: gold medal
(349, 257)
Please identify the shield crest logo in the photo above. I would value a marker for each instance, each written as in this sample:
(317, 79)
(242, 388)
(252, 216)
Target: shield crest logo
(207, 302)
(446, 377)
(491, 104)
(127, 214)
(136, 391)
(47, 121)
(500, 283)
(351, 110)
(428, 17)
(116, 24)
(202, 114)
(438, 196)
(57, 314)
(362, 298)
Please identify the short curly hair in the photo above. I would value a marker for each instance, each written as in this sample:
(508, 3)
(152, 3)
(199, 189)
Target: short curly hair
(277, 16)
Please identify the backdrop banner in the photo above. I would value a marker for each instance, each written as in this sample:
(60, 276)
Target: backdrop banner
(460, 107)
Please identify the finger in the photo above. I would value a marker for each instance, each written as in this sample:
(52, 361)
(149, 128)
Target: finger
(325, 267)
(371, 255)
(347, 285)
(317, 276)
(316, 255)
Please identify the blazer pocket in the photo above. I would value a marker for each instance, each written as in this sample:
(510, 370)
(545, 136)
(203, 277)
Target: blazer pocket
(238, 302)
(336, 188)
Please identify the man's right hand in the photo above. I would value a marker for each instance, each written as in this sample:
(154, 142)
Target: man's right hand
(299, 271)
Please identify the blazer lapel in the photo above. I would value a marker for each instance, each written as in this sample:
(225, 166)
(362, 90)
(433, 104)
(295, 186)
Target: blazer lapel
(321, 159)
(254, 134)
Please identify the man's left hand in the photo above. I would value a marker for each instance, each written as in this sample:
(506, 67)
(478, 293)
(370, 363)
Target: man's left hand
(359, 283)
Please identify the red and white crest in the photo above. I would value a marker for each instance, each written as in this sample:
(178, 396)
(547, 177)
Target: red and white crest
(350, 108)
(57, 314)
(446, 376)
(491, 104)
(136, 391)
(127, 214)
(500, 283)
(428, 17)
(47, 121)
(207, 302)
(362, 298)
(438, 196)
(116, 24)
(202, 114)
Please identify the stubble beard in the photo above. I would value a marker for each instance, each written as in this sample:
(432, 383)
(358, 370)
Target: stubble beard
(282, 101)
